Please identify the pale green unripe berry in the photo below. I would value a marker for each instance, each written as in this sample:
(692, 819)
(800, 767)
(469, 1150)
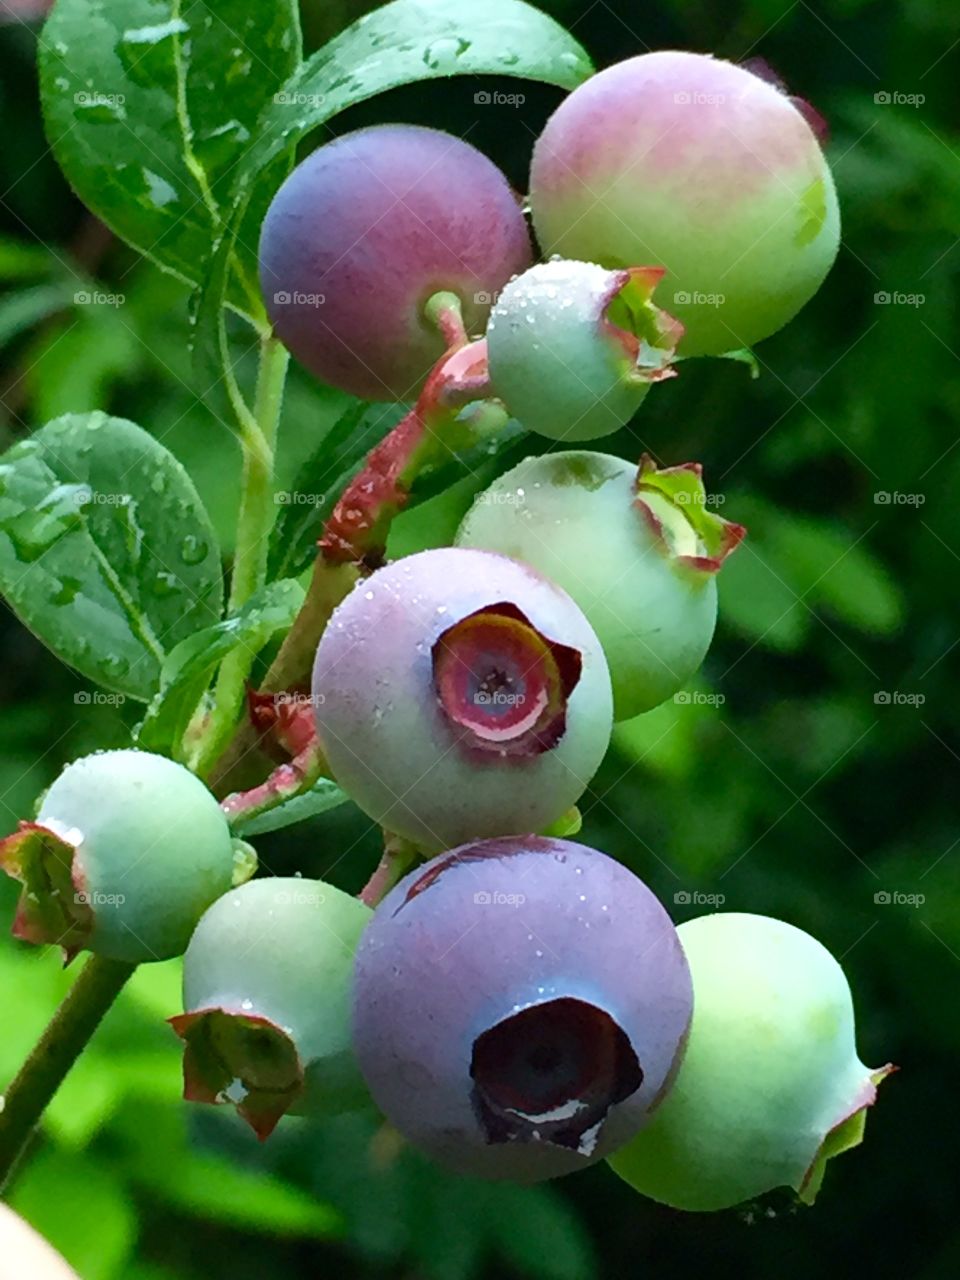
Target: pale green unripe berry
(636, 548)
(266, 983)
(573, 347)
(771, 1084)
(127, 852)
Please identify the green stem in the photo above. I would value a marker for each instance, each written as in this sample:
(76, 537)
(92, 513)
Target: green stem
(254, 524)
(65, 1038)
(257, 508)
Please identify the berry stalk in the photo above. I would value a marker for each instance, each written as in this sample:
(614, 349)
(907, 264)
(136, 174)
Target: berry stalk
(358, 527)
(254, 522)
(354, 538)
(64, 1039)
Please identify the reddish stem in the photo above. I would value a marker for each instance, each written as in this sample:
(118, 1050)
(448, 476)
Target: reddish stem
(357, 529)
(398, 855)
(285, 781)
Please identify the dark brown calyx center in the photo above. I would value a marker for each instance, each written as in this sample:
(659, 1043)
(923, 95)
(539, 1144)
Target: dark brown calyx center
(503, 682)
(551, 1073)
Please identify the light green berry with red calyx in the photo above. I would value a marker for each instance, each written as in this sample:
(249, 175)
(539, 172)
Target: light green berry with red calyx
(266, 993)
(771, 1085)
(637, 547)
(573, 348)
(699, 166)
(127, 851)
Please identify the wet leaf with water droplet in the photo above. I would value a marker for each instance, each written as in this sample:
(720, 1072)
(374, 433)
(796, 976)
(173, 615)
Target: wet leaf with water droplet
(149, 107)
(91, 549)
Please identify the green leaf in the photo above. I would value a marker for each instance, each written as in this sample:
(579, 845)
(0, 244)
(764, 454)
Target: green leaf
(401, 43)
(405, 42)
(22, 310)
(525, 1219)
(188, 668)
(106, 552)
(149, 105)
(81, 1206)
(322, 796)
(24, 260)
(159, 1157)
(305, 507)
(791, 567)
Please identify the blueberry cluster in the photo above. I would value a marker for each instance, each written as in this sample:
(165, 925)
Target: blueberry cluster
(518, 1005)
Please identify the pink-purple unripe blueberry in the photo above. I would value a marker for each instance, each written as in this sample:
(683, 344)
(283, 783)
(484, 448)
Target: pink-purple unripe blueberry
(687, 162)
(364, 231)
(460, 695)
(266, 994)
(127, 852)
(520, 1007)
(573, 347)
(637, 547)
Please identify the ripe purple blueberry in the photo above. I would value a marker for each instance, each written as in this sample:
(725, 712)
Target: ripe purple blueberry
(266, 981)
(573, 348)
(699, 166)
(460, 695)
(127, 852)
(520, 1007)
(364, 231)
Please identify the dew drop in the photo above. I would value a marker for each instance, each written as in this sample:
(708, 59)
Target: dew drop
(192, 549)
(114, 665)
(164, 584)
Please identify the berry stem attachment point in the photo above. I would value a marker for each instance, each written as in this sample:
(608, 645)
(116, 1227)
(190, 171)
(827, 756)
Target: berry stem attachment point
(444, 311)
(66, 1036)
(291, 667)
(399, 855)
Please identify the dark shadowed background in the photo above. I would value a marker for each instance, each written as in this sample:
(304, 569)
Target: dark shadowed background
(813, 774)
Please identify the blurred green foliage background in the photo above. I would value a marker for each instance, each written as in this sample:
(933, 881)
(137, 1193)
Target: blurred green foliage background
(786, 783)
